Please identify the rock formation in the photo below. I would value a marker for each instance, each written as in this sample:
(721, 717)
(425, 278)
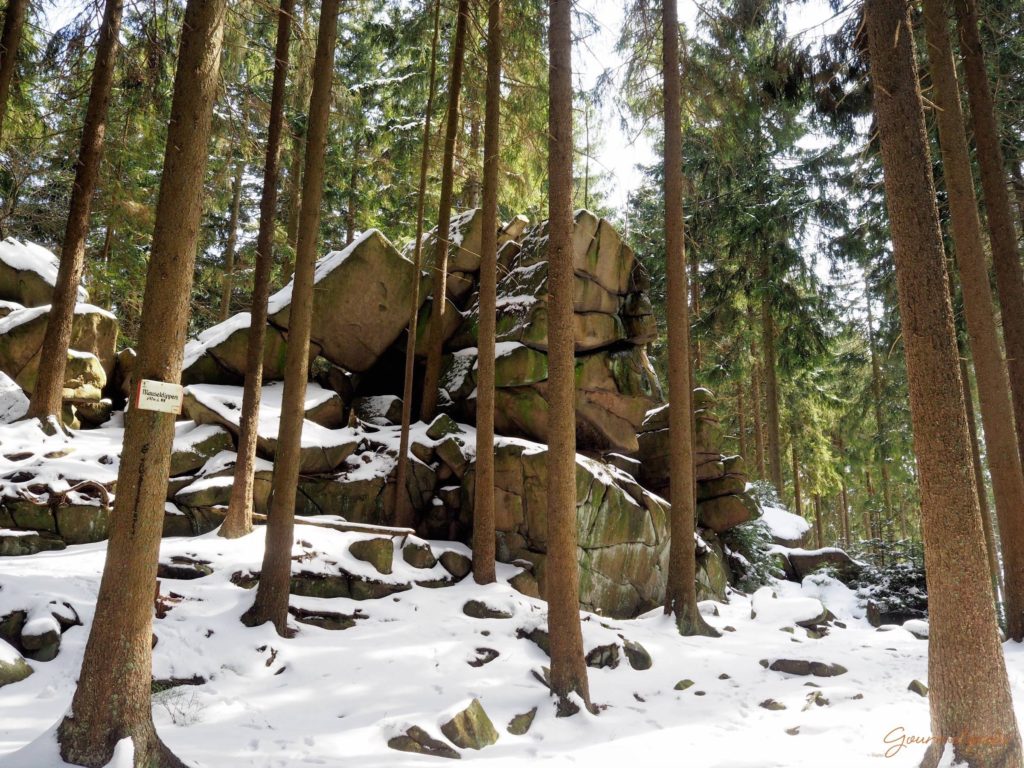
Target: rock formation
(363, 298)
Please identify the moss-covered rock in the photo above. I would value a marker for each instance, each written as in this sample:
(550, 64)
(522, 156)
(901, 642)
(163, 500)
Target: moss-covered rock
(471, 728)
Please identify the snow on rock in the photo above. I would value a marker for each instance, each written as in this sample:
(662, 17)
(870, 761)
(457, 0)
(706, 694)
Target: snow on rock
(785, 528)
(767, 607)
(13, 402)
(28, 273)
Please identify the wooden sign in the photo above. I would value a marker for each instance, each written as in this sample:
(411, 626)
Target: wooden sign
(158, 396)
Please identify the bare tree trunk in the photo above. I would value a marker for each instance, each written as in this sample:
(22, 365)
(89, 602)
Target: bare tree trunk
(444, 217)
(845, 502)
(771, 395)
(353, 196)
(993, 385)
(483, 508)
(275, 576)
(1018, 192)
(755, 404)
(294, 203)
(10, 39)
(112, 700)
(568, 670)
(819, 532)
(228, 282)
(695, 308)
(876, 395)
(797, 499)
(1003, 236)
(238, 520)
(46, 396)
(403, 514)
(681, 585)
(963, 637)
(741, 418)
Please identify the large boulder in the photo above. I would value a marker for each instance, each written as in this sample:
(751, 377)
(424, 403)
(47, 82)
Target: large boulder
(218, 355)
(93, 332)
(28, 273)
(361, 302)
(322, 447)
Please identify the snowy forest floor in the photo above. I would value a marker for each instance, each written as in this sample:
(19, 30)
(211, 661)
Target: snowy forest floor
(333, 698)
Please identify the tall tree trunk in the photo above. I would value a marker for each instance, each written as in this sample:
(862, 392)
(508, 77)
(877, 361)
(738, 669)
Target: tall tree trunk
(472, 189)
(238, 521)
(46, 396)
(681, 585)
(432, 376)
(10, 39)
(741, 418)
(275, 576)
(991, 547)
(819, 531)
(881, 440)
(755, 403)
(1003, 236)
(353, 195)
(798, 507)
(991, 374)
(771, 393)
(695, 308)
(294, 202)
(963, 638)
(228, 281)
(483, 507)
(112, 700)
(403, 514)
(562, 590)
(1018, 193)
(845, 502)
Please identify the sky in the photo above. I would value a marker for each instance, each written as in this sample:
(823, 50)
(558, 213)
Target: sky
(621, 150)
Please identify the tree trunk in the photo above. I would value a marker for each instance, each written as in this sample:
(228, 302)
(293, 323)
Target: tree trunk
(275, 576)
(979, 481)
(294, 203)
(819, 531)
(876, 396)
(1003, 236)
(568, 670)
(483, 508)
(10, 39)
(741, 418)
(771, 393)
(993, 385)
(695, 308)
(755, 404)
(403, 514)
(432, 376)
(681, 585)
(228, 282)
(798, 507)
(845, 502)
(238, 521)
(46, 396)
(112, 700)
(353, 196)
(964, 704)
(1018, 193)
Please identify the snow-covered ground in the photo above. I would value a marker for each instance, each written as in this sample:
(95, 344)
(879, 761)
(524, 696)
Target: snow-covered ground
(333, 698)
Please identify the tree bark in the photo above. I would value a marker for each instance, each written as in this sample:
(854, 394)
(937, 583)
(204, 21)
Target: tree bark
(876, 395)
(228, 282)
(755, 404)
(1002, 235)
(112, 700)
(294, 203)
(819, 531)
(741, 418)
(797, 499)
(10, 39)
(444, 217)
(483, 508)
(771, 393)
(403, 514)
(568, 670)
(974, 709)
(46, 396)
(353, 195)
(844, 500)
(275, 576)
(238, 521)
(681, 585)
(991, 375)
